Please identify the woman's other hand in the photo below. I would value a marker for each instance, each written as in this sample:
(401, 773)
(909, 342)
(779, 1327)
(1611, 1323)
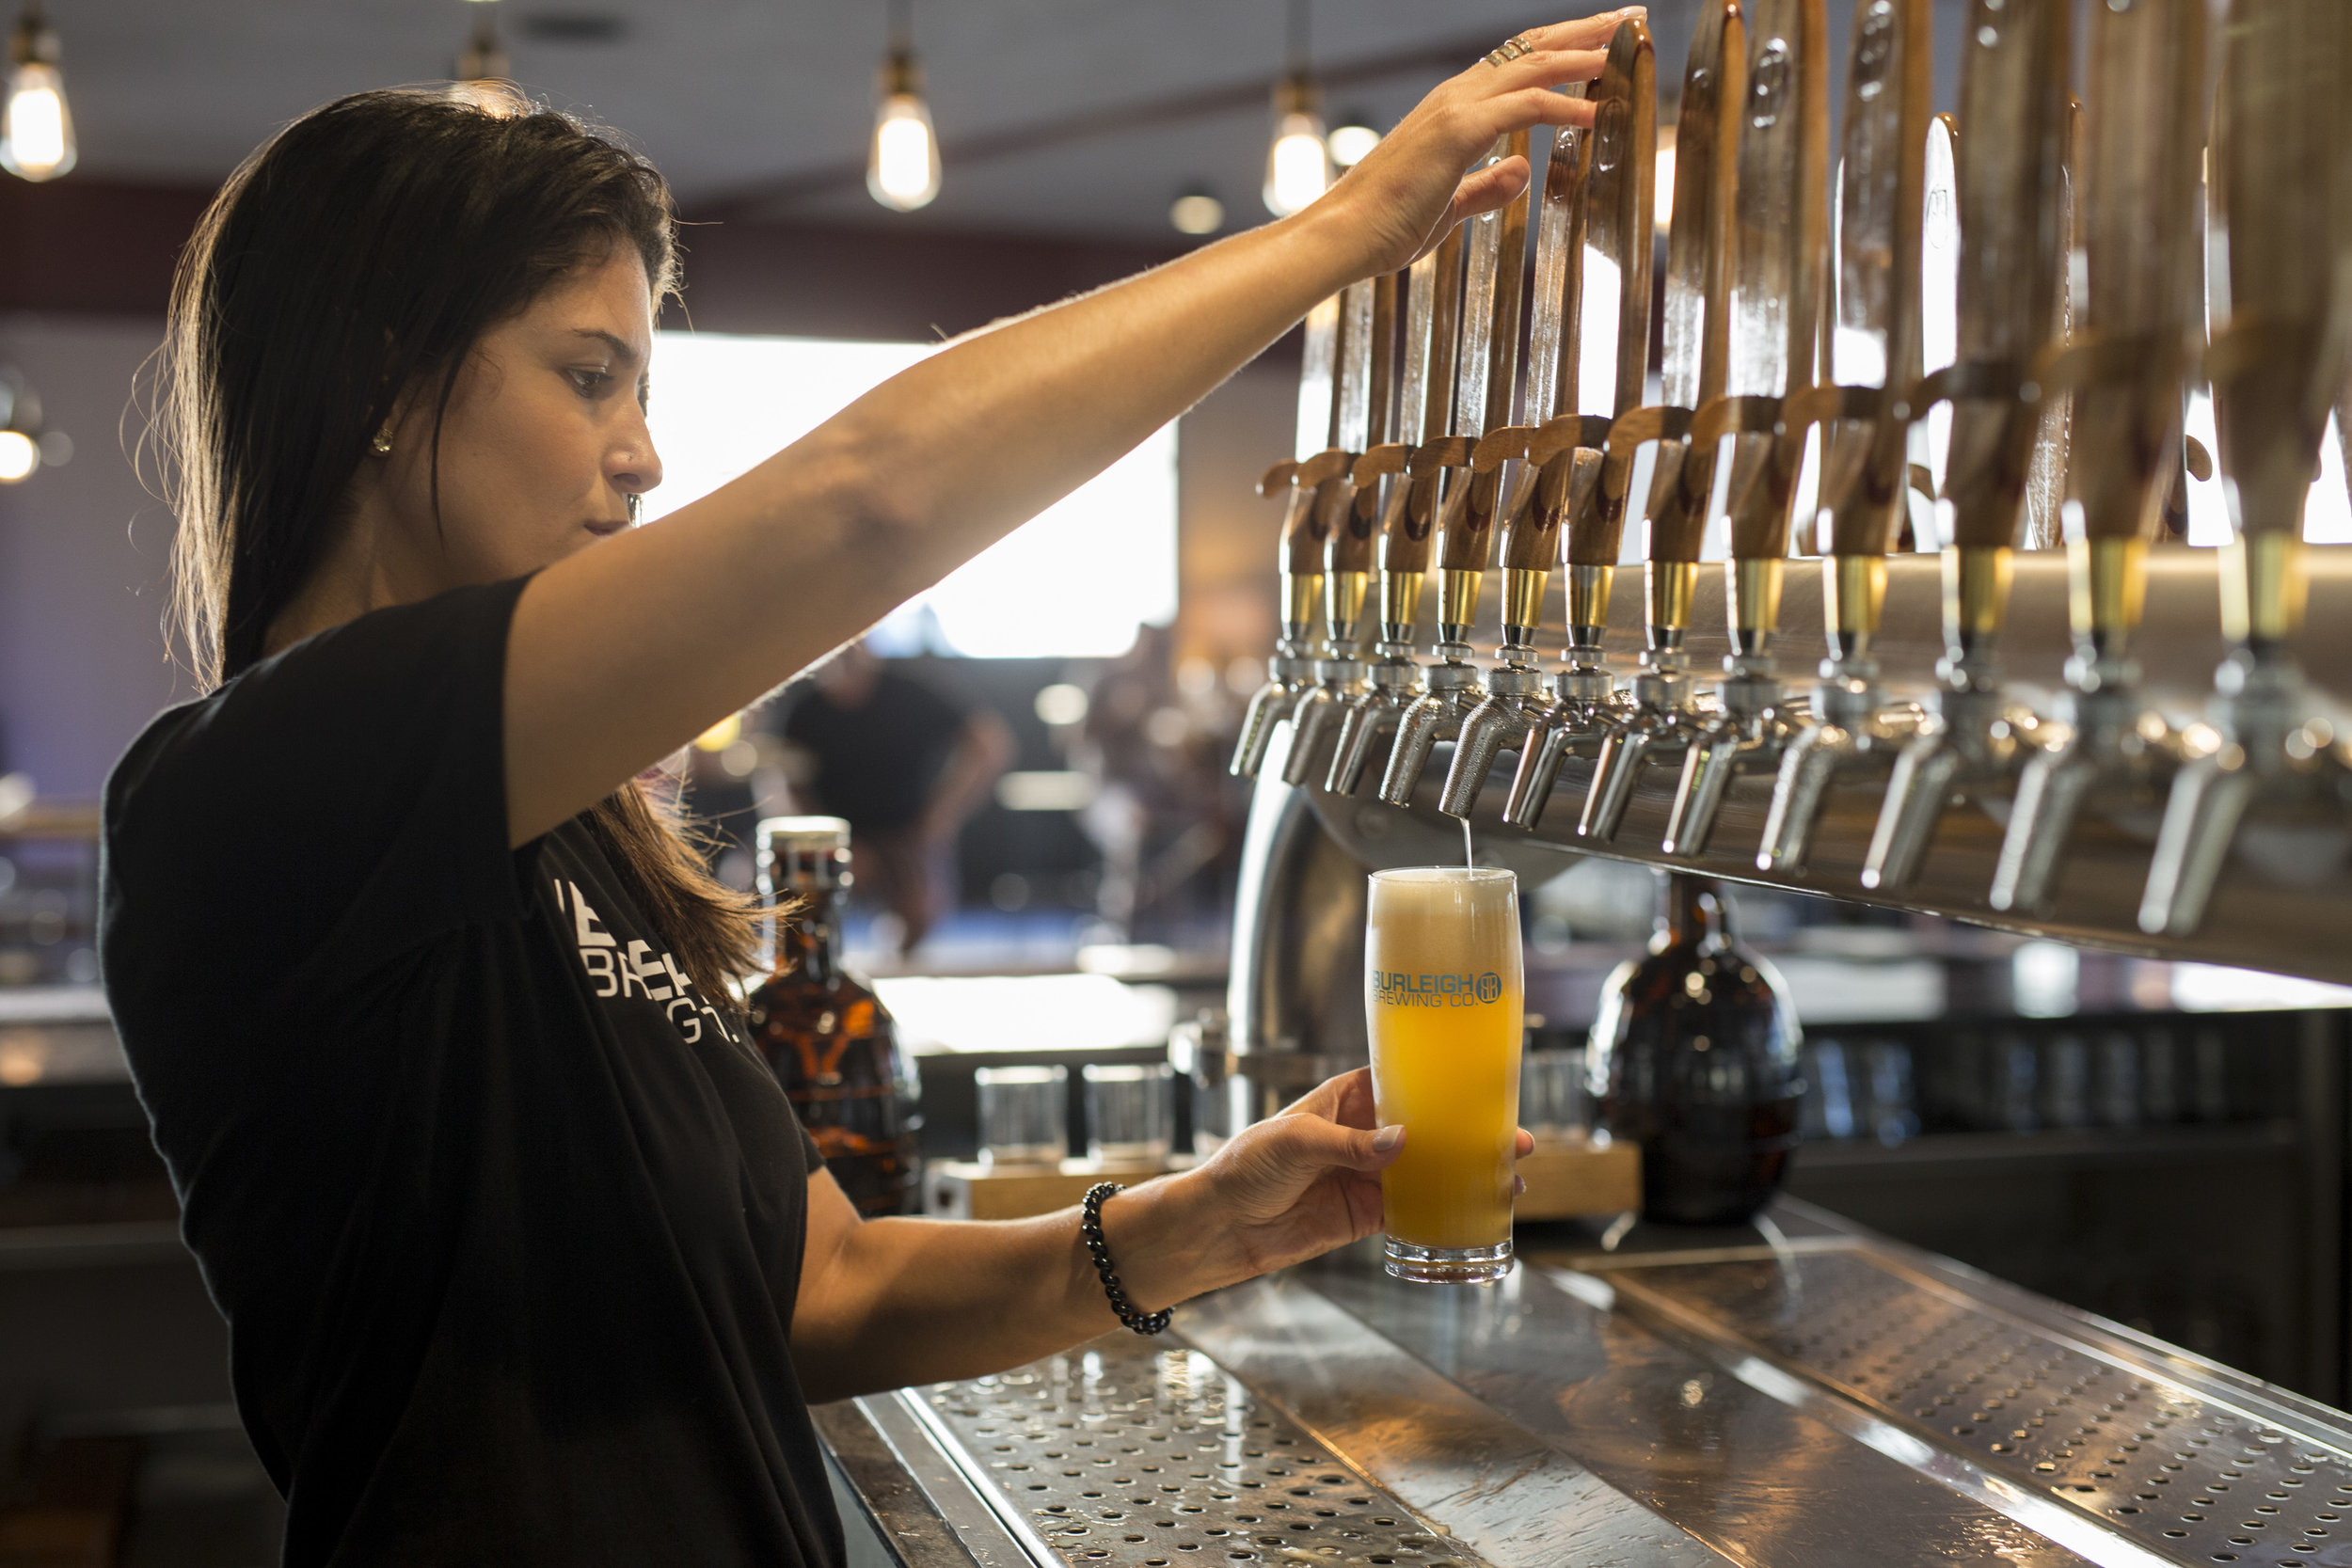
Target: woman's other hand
(1411, 190)
(1284, 1190)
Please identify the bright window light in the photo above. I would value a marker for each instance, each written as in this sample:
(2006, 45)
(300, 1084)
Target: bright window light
(1073, 583)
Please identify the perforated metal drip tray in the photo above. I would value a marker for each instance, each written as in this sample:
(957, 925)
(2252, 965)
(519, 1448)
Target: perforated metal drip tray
(1143, 1457)
(1831, 1399)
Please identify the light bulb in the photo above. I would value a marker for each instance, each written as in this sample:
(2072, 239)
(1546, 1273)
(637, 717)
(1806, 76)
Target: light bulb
(1197, 213)
(36, 127)
(19, 455)
(1298, 165)
(902, 170)
(1352, 143)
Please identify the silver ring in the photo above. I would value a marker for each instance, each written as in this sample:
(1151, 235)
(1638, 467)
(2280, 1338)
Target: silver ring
(636, 508)
(1510, 49)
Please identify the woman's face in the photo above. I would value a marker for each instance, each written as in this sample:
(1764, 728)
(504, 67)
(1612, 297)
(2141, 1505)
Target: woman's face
(544, 441)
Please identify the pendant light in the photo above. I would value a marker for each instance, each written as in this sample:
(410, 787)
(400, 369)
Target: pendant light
(36, 127)
(1352, 140)
(20, 428)
(485, 57)
(1298, 163)
(902, 167)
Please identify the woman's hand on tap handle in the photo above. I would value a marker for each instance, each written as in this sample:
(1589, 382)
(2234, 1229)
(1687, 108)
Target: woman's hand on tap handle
(1287, 1189)
(1415, 187)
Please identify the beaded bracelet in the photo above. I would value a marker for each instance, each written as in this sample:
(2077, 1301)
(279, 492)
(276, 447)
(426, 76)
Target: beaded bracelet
(1091, 1231)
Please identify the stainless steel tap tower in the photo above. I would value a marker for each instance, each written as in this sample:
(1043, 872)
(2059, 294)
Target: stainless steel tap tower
(2029, 738)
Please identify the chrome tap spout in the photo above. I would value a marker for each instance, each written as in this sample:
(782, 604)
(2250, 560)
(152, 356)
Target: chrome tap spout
(1586, 705)
(2276, 762)
(1659, 730)
(1289, 676)
(1971, 749)
(2107, 748)
(1456, 687)
(1340, 681)
(1395, 684)
(1515, 714)
(1855, 739)
(1758, 722)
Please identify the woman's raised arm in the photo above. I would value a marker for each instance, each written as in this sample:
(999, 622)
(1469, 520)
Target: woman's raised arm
(623, 652)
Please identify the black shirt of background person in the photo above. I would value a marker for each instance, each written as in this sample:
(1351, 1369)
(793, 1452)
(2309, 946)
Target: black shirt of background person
(876, 763)
(505, 1216)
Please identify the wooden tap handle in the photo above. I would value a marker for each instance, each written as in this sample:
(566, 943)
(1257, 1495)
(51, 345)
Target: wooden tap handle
(1390, 457)
(1466, 532)
(1555, 436)
(1406, 528)
(1531, 535)
(1307, 525)
(1355, 527)
(1986, 494)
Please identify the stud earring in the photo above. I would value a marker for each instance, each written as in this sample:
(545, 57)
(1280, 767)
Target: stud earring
(382, 444)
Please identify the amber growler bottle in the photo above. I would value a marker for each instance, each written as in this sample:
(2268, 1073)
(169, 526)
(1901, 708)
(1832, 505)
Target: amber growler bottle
(826, 1036)
(1694, 1056)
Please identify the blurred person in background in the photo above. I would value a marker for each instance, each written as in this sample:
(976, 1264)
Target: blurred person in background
(1157, 814)
(905, 765)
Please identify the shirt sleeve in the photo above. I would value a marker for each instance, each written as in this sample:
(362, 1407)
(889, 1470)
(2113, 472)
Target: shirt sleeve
(333, 806)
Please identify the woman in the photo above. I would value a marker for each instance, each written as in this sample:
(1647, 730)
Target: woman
(523, 1256)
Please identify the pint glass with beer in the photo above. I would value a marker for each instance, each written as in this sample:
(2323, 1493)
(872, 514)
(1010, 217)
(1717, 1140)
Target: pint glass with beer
(1443, 1002)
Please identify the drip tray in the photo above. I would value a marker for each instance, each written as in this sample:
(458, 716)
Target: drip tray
(1125, 1454)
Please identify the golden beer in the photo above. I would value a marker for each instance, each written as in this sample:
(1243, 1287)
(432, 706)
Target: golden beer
(1442, 1002)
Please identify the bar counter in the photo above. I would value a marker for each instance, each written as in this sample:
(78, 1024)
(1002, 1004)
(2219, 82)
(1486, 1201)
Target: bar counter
(1799, 1393)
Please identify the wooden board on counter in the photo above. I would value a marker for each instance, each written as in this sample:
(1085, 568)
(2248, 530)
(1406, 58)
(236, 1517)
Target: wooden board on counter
(1565, 1181)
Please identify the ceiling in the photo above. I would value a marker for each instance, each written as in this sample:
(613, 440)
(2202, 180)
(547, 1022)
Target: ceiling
(1083, 118)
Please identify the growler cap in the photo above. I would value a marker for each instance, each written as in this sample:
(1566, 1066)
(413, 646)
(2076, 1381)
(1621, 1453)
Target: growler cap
(804, 834)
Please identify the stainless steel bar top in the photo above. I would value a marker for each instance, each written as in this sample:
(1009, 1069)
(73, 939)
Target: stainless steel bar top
(1800, 1393)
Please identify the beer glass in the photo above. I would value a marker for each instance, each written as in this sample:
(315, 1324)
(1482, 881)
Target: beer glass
(1443, 1010)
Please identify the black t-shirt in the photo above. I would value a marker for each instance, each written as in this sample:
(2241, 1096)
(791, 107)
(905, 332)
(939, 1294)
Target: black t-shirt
(877, 762)
(505, 1217)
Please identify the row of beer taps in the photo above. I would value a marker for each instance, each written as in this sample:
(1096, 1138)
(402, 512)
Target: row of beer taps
(1788, 309)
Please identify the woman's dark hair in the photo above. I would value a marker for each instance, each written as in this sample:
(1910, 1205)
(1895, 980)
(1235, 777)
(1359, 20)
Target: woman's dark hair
(350, 263)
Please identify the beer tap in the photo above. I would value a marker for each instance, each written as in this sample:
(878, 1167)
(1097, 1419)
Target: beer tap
(1486, 383)
(1519, 702)
(1778, 254)
(1424, 405)
(1609, 365)
(2277, 757)
(1660, 724)
(2014, 84)
(1874, 358)
(1360, 414)
(2141, 155)
(1290, 672)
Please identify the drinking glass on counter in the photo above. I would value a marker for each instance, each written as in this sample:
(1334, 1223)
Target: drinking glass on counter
(1025, 1115)
(1444, 1006)
(1128, 1119)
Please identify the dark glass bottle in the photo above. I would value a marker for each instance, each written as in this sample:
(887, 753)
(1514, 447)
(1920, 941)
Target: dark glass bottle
(1694, 1056)
(827, 1037)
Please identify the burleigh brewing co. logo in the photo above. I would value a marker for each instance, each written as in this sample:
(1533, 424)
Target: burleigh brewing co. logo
(1396, 989)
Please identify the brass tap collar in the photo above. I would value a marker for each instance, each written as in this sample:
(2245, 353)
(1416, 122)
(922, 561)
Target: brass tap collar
(2264, 587)
(1752, 587)
(1523, 597)
(1671, 586)
(1588, 599)
(1458, 601)
(2106, 581)
(1853, 592)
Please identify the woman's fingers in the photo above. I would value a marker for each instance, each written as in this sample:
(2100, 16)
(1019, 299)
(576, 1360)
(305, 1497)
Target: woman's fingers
(1585, 32)
(1525, 1142)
